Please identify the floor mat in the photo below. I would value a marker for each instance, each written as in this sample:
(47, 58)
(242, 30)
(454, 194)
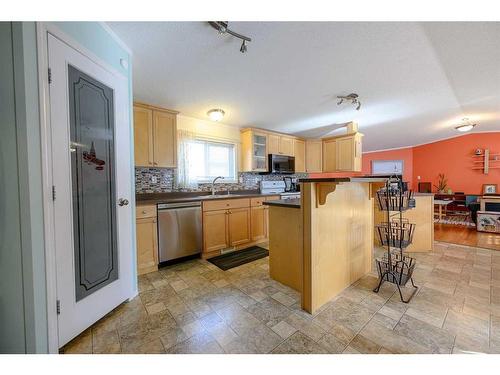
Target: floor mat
(237, 258)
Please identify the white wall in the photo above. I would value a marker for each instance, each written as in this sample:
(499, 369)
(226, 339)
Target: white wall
(209, 129)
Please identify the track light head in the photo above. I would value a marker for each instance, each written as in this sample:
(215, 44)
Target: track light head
(243, 47)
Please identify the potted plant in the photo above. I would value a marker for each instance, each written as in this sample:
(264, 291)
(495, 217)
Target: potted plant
(442, 184)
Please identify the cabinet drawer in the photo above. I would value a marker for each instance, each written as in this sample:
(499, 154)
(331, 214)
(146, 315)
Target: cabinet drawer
(257, 201)
(222, 204)
(145, 211)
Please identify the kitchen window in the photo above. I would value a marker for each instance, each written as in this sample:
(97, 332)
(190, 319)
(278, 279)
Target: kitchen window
(209, 159)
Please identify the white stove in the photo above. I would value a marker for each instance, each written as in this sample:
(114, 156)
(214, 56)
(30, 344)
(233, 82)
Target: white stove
(278, 187)
(290, 195)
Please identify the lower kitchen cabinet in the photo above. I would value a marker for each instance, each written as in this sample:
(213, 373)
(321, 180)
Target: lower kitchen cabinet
(147, 245)
(259, 221)
(239, 226)
(234, 223)
(215, 230)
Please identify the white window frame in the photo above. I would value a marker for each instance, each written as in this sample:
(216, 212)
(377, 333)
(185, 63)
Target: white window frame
(234, 166)
(387, 167)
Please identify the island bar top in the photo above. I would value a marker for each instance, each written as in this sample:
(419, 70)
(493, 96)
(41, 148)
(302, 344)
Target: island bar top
(346, 179)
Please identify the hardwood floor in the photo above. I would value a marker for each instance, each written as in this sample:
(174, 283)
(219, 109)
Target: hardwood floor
(463, 235)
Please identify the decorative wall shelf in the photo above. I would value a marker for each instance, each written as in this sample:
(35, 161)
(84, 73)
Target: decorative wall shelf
(489, 161)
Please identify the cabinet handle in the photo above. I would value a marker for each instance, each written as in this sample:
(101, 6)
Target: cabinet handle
(155, 163)
(144, 212)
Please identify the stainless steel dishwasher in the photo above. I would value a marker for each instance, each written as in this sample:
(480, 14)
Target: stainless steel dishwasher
(179, 230)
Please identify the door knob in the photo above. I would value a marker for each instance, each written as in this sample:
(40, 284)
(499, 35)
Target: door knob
(122, 202)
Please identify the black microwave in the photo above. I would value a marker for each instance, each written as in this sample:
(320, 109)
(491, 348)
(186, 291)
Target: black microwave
(281, 164)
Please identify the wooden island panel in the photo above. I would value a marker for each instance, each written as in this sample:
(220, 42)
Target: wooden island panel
(285, 246)
(337, 239)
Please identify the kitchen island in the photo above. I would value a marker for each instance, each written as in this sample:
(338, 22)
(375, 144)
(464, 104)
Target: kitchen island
(325, 244)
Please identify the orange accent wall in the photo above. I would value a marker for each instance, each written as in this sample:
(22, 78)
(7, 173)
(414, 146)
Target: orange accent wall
(453, 157)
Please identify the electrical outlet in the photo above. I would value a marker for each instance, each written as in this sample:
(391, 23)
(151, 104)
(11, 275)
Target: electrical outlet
(154, 179)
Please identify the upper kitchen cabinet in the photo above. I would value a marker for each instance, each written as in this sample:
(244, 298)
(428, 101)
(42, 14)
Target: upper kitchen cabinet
(299, 150)
(280, 144)
(155, 136)
(254, 151)
(274, 143)
(143, 136)
(343, 153)
(314, 156)
(257, 144)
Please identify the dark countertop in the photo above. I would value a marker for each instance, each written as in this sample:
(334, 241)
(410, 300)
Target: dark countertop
(345, 179)
(290, 203)
(175, 197)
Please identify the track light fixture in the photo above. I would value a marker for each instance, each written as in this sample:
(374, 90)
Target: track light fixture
(222, 28)
(353, 98)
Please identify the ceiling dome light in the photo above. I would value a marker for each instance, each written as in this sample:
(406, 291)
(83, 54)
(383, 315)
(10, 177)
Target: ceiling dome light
(466, 126)
(216, 114)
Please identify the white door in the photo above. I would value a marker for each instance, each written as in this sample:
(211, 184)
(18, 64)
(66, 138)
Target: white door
(90, 129)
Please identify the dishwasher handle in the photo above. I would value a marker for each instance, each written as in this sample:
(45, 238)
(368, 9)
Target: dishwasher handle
(171, 206)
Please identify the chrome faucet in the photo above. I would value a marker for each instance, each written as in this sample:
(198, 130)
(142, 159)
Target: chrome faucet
(213, 183)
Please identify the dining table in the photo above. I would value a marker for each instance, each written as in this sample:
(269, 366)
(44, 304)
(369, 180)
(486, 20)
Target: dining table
(441, 203)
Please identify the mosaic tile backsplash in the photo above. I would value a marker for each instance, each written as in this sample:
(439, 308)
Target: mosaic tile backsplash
(161, 180)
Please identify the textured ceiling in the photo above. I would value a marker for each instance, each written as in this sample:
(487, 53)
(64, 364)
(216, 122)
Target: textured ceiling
(415, 80)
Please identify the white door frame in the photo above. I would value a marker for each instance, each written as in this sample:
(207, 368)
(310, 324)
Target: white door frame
(42, 30)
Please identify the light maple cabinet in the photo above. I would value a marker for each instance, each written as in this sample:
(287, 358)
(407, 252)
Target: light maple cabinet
(239, 226)
(257, 144)
(147, 239)
(343, 153)
(155, 136)
(300, 155)
(286, 146)
(349, 153)
(215, 230)
(314, 153)
(254, 151)
(234, 223)
(259, 222)
(164, 139)
(273, 141)
(329, 155)
(143, 136)
(280, 144)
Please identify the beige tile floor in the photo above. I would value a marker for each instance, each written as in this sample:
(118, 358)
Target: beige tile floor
(194, 307)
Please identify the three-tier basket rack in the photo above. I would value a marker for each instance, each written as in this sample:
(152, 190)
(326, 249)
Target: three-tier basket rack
(396, 234)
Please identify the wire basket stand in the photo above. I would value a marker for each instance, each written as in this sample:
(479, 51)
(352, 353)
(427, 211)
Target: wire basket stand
(396, 234)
